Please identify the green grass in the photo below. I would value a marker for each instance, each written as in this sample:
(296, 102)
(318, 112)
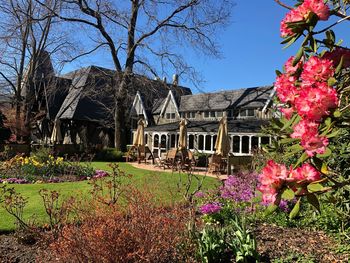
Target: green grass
(165, 184)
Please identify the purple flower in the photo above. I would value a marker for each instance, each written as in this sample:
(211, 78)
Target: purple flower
(284, 206)
(100, 174)
(199, 194)
(239, 188)
(210, 208)
(16, 181)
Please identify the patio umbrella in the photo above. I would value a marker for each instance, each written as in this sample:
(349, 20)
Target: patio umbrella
(56, 135)
(182, 143)
(140, 134)
(222, 144)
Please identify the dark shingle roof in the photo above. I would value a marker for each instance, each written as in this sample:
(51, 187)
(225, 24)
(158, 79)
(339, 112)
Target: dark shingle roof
(244, 98)
(240, 126)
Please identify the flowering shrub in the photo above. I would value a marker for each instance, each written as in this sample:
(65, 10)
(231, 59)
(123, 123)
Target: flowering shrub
(313, 94)
(21, 170)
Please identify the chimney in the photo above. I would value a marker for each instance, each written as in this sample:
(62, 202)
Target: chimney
(175, 79)
(164, 79)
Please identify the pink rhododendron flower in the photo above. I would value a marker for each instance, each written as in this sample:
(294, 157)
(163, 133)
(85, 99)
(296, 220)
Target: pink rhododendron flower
(302, 13)
(316, 70)
(304, 127)
(318, 7)
(314, 144)
(314, 103)
(271, 179)
(287, 112)
(306, 172)
(336, 55)
(289, 68)
(286, 90)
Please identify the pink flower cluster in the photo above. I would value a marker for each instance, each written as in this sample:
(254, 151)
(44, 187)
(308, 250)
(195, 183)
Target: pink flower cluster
(274, 176)
(302, 13)
(336, 55)
(304, 90)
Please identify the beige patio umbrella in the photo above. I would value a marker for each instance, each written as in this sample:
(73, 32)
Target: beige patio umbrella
(140, 134)
(56, 135)
(222, 144)
(182, 143)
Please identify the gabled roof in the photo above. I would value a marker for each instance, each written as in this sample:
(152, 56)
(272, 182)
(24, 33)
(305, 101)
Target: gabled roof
(170, 99)
(242, 98)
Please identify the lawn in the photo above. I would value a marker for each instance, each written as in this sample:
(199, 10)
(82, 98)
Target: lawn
(165, 184)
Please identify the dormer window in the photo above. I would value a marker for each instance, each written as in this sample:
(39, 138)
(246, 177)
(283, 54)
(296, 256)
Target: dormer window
(170, 116)
(213, 114)
(246, 113)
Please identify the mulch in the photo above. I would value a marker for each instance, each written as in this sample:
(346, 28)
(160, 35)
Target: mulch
(274, 242)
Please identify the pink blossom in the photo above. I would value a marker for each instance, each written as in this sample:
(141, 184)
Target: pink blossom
(336, 55)
(290, 69)
(304, 127)
(318, 7)
(314, 103)
(306, 172)
(302, 13)
(271, 179)
(287, 112)
(286, 89)
(316, 70)
(314, 144)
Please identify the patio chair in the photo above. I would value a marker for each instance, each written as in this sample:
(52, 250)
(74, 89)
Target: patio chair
(216, 164)
(170, 160)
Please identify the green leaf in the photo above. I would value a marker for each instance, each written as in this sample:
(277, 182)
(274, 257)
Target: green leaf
(331, 81)
(288, 140)
(295, 210)
(333, 134)
(326, 154)
(324, 168)
(291, 122)
(337, 114)
(298, 56)
(288, 194)
(302, 159)
(278, 73)
(340, 65)
(313, 200)
(270, 209)
(314, 187)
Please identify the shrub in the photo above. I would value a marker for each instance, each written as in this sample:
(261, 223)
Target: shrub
(136, 231)
(109, 155)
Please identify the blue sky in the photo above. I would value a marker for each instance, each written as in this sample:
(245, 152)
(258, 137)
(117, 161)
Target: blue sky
(251, 49)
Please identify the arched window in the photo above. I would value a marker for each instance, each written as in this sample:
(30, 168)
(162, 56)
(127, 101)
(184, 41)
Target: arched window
(163, 141)
(236, 144)
(172, 141)
(200, 142)
(207, 142)
(191, 142)
(245, 144)
(156, 141)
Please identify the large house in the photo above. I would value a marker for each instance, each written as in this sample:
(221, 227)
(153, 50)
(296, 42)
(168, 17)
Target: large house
(246, 110)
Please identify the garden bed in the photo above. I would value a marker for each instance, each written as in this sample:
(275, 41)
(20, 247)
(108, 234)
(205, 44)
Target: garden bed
(274, 245)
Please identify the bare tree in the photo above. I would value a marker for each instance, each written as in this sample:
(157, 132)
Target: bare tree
(26, 37)
(149, 36)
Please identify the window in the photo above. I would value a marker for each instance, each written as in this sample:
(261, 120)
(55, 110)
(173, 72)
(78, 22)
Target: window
(163, 141)
(146, 139)
(156, 140)
(206, 114)
(212, 114)
(207, 142)
(191, 142)
(170, 116)
(255, 143)
(235, 144)
(190, 115)
(246, 113)
(219, 114)
(245, 144)
(200, 142)
(265, 140)
(172, 140)
(214, 141)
